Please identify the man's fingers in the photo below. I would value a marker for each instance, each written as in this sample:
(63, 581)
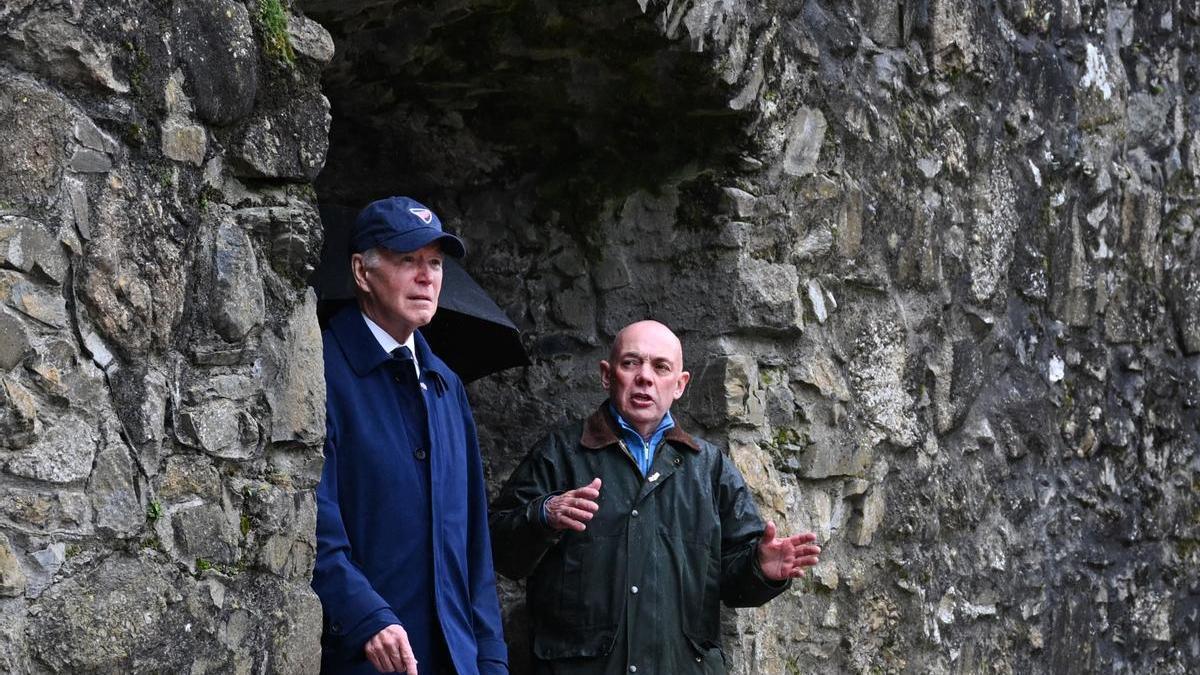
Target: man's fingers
(380, 659)
(410, 662)
(578, 514)
(769, 533)
(584, 504)
(588, 493)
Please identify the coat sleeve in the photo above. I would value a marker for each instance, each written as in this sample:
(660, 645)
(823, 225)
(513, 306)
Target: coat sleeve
(485, 607)
(742, 582)
(354, 612)
(520, 539)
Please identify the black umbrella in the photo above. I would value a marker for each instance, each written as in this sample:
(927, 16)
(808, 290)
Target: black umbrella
(469, 332)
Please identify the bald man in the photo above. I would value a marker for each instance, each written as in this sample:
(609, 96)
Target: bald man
(631, 532)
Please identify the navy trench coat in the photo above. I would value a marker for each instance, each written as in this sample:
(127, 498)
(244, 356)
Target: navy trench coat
(402, 533)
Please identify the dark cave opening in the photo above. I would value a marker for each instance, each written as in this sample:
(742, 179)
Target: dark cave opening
(557, 106)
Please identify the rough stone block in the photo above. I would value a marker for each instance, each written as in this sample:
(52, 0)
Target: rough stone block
(1183, 298)
(127, 619)
(33, 124)
(12, 577)
(951, 23)
(877, 374)
(19, 423)
(206, 533)
(767, 295)
(188, 476)
(184, 142)
(86, 160)
(220, 55)
(29, 247)
(817, 369)
(34, 302)
(14, 342)
(828, 458)
(310, 39)
(237, 302)
(220, 428)
(756, 467)
(289, 143)
(60, 47)
(867, 516)
(63, 454)
(806, 133)
(297, 393)
(612, 272)
(112, 490)
(990, 245)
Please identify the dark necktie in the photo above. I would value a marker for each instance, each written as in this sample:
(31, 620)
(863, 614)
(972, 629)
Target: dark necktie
(404, 360)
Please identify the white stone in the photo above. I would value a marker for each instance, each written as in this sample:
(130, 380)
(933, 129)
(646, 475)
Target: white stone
(929, 166)
(805, 136)
(1096, 73)
(1055, 371)
(817, 298)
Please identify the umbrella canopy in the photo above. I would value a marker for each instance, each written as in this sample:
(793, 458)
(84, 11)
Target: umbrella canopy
(469, 332)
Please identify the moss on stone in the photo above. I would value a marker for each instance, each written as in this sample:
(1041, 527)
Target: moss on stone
(272, 18)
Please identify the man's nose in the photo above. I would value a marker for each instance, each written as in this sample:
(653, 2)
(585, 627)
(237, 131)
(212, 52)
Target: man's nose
(424, 273)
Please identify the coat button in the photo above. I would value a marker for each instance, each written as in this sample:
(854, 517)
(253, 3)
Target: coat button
(336, 628)
(633, 669)
(699, 660)
(633, 590)
(634, 513)
(678, 461)
(420, 454)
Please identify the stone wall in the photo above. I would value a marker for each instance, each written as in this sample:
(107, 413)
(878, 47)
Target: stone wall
(934, 264)
(161, 414)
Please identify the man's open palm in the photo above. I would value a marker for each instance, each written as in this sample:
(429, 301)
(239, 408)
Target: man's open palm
(786, 558)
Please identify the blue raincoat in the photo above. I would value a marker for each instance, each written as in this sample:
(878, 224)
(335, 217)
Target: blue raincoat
(402, 532)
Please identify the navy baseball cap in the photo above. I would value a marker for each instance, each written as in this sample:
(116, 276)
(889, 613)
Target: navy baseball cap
(401, 224)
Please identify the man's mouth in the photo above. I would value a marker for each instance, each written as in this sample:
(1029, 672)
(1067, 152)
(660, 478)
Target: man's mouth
(642, 399)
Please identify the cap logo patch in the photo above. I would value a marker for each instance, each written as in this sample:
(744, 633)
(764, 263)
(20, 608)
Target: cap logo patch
(425, 215)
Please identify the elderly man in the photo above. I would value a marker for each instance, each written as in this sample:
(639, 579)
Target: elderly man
(404, 566)
(632, 531)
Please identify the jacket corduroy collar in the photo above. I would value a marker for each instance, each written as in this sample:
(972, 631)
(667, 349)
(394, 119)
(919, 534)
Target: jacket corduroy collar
(599, 431)
(364, 354)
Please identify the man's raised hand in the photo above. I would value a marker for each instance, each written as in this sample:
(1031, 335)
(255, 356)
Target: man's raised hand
(786, 558)
(573, 509)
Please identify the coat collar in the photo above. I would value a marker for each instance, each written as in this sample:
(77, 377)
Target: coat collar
(599, 431)
(364, 354)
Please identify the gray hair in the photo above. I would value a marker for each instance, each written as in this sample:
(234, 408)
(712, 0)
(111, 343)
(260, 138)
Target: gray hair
(371, 258)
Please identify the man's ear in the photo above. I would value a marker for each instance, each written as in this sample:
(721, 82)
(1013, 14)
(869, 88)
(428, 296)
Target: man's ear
(605, 372)
(358, 269)
(682, 384)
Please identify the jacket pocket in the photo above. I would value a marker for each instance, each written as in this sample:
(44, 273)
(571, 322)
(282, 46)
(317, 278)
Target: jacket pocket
(563, 643)
(699, 587)
(708, 656)
(587, 595)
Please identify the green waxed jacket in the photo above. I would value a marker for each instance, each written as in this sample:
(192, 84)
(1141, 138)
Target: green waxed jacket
(640, 590)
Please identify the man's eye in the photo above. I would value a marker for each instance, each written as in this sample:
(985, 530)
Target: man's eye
(662, 368)
(630, 363)
(436, 263)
